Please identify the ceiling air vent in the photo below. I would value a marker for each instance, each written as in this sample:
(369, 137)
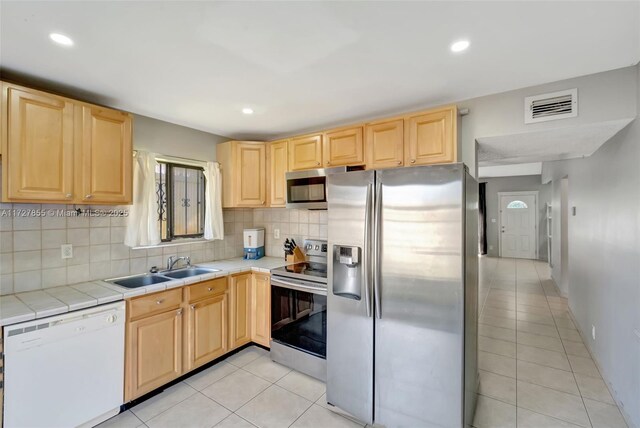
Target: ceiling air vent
(553, 106)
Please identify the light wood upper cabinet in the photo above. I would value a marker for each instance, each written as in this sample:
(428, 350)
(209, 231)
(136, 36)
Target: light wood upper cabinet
(261, 309)
(278, 166)
(59, 150)
(384, 142)
(207, 330)
(38, 144)
(305, 152)
(432, 137)
(105, 156)
(344, 147)
(243, 173)
(154, 352)
(240, 310)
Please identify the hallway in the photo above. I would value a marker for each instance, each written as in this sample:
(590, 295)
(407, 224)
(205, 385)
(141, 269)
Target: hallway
(535, 370)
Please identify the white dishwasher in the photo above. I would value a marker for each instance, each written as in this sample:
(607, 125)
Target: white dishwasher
(66, 370)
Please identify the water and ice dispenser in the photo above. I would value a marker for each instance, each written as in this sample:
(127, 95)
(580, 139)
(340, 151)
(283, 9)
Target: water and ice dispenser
(347, 271)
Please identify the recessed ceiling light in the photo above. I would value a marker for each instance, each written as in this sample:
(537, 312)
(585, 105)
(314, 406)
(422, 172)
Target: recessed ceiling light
(460, 45)
(247, 110)
(61, 39)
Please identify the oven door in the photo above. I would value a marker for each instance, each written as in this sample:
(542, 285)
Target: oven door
(299, 316)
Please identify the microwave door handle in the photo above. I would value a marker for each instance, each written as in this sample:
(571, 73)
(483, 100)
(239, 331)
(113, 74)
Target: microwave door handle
(377, 221)
(367, 249)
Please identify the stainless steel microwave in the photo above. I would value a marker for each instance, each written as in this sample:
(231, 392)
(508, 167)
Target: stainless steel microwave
(308, 189)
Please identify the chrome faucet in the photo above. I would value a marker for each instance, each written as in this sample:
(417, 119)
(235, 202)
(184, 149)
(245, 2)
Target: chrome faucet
(171, 261)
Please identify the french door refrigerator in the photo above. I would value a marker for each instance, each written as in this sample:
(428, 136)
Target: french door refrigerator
(402, 295)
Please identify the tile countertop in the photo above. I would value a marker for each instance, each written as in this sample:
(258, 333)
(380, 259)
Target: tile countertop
(15, 308)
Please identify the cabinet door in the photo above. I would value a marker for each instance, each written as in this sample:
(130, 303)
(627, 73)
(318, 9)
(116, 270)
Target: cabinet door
(207, 330)
(105, 156)
(305, 152)
(261, 309)
(385, 144)
(432, 138)
(154, 352)
(240, 312)
(250, 176)
(38, 146)
(278, 163)
(344, 147)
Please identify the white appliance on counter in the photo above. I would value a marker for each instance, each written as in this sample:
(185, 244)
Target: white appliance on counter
(66, 370)
(253, 243)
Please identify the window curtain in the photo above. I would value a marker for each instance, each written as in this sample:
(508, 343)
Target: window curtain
(482, 214)
(142, 224)
(213, 222)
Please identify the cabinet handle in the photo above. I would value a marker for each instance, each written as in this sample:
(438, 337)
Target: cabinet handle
(68, 195)
(261, 202)
(192, 306)
(399, 162)
(179, 312)
(328, 163)
(318, 163)
(413, 161)
(88, 196)
(159, 302)
(209, 289)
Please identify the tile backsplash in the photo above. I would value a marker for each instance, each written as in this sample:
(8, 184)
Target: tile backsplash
(296, 224)
(30, 254)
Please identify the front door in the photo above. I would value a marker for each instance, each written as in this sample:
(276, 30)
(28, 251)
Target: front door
(518, 226)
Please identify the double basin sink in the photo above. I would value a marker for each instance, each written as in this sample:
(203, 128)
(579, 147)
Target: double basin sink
(143, 280)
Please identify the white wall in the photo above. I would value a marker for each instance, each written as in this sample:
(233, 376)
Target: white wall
(604, 255)
(601, 97)
(174, 140)
(515, 184)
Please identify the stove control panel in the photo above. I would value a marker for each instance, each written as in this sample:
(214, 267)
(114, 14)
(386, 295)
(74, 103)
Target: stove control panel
(315, 247)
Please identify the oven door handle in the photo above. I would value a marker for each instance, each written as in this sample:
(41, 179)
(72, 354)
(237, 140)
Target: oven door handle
(299, 287)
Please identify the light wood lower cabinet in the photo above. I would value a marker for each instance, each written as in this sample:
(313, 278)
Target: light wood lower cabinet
(261, 309)
(172, 332)
(207, 330)
(154, 352)
(240, 313)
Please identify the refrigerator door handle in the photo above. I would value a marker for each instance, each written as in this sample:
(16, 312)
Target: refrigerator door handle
(377, 225)
(367, 249)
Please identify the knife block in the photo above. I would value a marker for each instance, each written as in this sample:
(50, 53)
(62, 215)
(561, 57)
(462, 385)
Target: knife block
(296, 257)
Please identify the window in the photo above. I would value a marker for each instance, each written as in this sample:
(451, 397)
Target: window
(517, 205)
(180, 192)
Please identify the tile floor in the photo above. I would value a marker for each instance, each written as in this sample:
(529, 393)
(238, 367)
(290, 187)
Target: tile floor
(535, 372)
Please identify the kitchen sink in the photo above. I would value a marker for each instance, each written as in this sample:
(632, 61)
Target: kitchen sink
(139, 280)
(187, 272)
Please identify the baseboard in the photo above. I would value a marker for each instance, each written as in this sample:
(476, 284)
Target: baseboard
(609, 385)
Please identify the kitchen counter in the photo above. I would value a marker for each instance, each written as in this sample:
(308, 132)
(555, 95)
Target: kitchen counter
(19, 307)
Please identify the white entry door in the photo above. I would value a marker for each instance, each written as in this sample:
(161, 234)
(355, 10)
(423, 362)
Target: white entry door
(518, 226)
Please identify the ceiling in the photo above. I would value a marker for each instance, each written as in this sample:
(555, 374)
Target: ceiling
(306, 65)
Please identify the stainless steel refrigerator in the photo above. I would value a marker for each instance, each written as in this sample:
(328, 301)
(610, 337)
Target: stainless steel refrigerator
(402, 295)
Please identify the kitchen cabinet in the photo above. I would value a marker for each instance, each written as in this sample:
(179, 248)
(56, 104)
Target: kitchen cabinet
(244, 175)
(305, 152)
(240, 310)
(38, 146)
(154, 352)
(59, 150)
(278, 166)
(104, 155)
(432, 137)
(261, 309)
(343, 147)
(384, 142)
(207, 330)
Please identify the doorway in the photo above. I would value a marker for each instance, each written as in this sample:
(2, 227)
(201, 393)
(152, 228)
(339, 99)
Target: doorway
(518, 224)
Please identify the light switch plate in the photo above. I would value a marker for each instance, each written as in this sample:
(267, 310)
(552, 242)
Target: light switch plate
(276, 233)
(67, 251)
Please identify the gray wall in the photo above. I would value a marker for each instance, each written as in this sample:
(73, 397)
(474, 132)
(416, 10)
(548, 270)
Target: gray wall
(601, 97)
(174, 140)
(515, 184)
(604, 256)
